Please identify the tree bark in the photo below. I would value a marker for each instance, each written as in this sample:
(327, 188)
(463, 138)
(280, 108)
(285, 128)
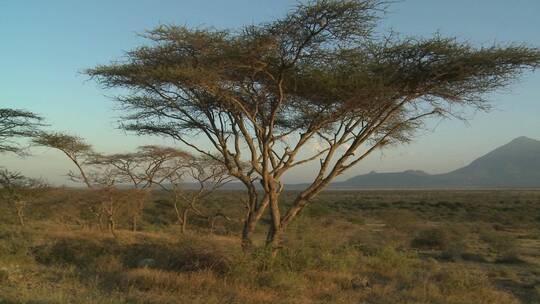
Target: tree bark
(253, 215)
(247, 231)
(278, 223)
(112, 226)
(134, 223)
(274, 239)
(100, 222)
(177, 212)
(184, 221)
(275, 231)
(213, 219)
(20, 215)
(110, 218)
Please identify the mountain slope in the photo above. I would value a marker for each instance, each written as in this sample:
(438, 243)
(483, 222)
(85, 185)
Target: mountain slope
(516, 164)
(409, 178)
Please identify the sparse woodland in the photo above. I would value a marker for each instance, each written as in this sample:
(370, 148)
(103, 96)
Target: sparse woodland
(318, 87)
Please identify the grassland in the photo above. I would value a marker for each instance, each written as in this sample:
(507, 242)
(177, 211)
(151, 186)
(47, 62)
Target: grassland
(348, 247)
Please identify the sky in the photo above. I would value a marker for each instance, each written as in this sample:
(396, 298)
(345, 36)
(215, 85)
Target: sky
(46, 45)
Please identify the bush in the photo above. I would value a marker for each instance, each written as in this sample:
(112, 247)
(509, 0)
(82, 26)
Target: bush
(401, 220)
(499, 242)
(4, 276)
(388, 264)
(106, 263)
(510, 258)
(185, 255)
(160, 280)
(282, 280)
(14, 242)
(473, 257)
(82, 253)
(434, 238)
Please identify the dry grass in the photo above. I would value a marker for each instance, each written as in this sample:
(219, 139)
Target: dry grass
(334, 254)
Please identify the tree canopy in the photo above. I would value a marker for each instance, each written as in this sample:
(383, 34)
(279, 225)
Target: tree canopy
(14, 124)
(262, 94)
(74, 147)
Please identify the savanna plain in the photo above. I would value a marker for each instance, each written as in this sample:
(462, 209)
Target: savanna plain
(475, 246)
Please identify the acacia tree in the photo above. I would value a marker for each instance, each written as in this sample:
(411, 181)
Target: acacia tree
(75, 148)
(263, 95)
(208, 174)
(142, 169)
(166, 167)
(17, 189)
(17, 123)
(106, 180)
(103, 178)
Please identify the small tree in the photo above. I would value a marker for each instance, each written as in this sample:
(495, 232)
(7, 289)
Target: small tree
(15, 124)
(264, 95)
(17, 190)
(208, 174)
(142, 169)
(75, 148)
(110, 203)
(103, 178)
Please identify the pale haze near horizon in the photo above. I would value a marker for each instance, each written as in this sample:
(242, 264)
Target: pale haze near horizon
(46, 45)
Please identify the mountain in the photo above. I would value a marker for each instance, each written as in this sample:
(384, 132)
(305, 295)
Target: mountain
(406, 179)
(516, 164)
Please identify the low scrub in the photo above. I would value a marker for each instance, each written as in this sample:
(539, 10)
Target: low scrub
(434, 238)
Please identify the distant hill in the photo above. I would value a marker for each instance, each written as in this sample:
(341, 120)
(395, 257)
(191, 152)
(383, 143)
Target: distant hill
(516, 164)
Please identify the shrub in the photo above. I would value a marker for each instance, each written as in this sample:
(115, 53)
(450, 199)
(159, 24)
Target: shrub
(510, 258)
(388, 264)
(283, 280)
(473, 257)
(434, 238)
(14, 242)
(151, 279)
(106, 263)
(188, 254)
(79, 252)
(4, 276)
(401, 220)
(499, 242)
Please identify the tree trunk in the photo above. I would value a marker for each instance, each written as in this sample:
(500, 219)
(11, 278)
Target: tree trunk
(80, 223)
(134, 223)
(177, 212)
(184, 220)
(279, 225)
(112, 226)
(140, 209)
(213, 219)
(20, 215)
(100, 222)
(83, 174)
(247, 232)
(253, 215)
(273, 237)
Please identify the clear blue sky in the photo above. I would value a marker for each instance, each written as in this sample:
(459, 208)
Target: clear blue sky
(46, 44)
